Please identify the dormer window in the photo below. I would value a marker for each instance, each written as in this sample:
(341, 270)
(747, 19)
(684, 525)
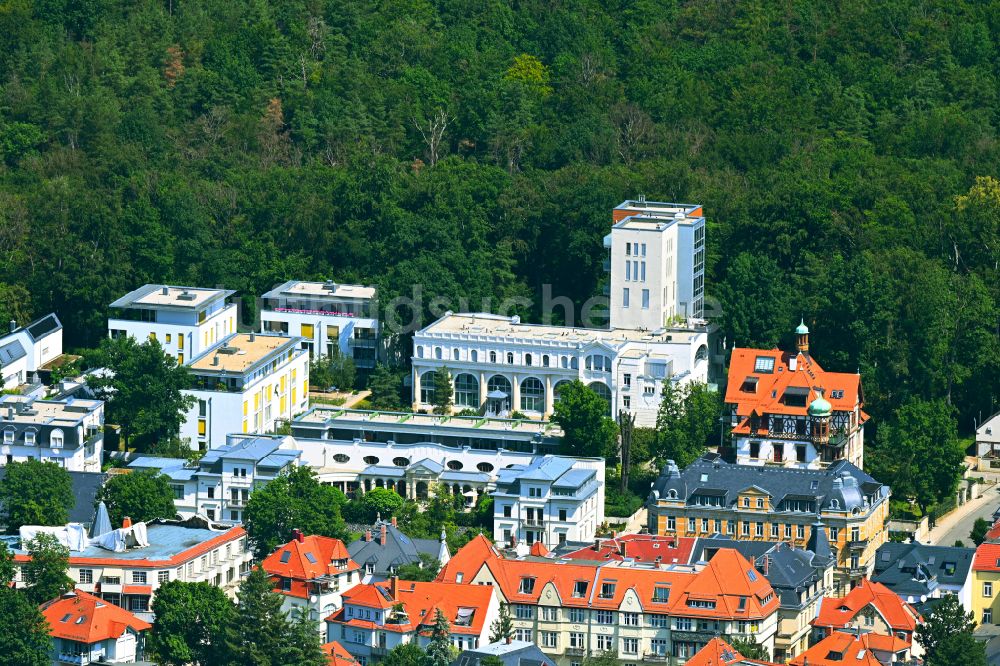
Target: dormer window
(8, 436)
(607, 590)
(580, 589)
(56, 438)
(795, 396)
(29, 437)
(661, 594)
(749, 385)
(464, 617)
(527, 585)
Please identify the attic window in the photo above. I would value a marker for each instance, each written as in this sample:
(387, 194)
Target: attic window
(66, 617)
(527, 585)
(795, 396)
(311, 558)
(607, 590)
(285, 556)
(742, 605)
(661, 594)
(704, 478)
(749, 385)
(813, 485)
(464, 617)
(752, 575)
(81, 619)
(580, 588)
(764, 364)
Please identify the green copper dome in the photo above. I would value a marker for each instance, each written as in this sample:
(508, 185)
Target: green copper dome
(820, 406)
(802, 329)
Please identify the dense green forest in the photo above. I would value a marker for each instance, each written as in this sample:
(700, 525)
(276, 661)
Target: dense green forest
(844, 153)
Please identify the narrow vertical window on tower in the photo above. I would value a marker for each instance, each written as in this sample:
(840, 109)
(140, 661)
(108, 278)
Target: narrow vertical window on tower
(625, 297)
(645, 299)
(628, 271)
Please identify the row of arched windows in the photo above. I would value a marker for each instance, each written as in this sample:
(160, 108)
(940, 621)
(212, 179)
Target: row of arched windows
(597, 362)
(532, 389)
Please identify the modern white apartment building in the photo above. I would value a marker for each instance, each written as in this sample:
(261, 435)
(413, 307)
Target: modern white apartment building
(67, 432)
(27, 349)
(247, 383)
(219, 484)
(328, 316)
(550, 500)
(188, 551)
(184, 320)
(499, 365)
(657, 263)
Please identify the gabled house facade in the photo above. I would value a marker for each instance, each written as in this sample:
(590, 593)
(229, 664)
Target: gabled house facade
(870, 608)
(786, 410)
(381, 616)
(311, 573)
(86, 629)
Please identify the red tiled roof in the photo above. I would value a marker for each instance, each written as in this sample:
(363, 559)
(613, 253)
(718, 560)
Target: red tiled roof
(718, 652)
(137, 589)
(838, 612)
(468, 560)
(420, 601)
(845, 648)
(987, 557)
(767, 398)
(993, 535)
(298, 566)
(336, 655)
(639, 547)
(538, 549)
(726, 579)
(78, 616)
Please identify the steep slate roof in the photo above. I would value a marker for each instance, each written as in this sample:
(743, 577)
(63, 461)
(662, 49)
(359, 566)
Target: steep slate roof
(718, 652)
(843, 648)
(916, 569)
(306, 560)
(808, 375)
(514, 653)
(838, 612)
(398, 550)
(638, 547)
(841, 481)
(420, 601)
(336, 655)
(79, 616)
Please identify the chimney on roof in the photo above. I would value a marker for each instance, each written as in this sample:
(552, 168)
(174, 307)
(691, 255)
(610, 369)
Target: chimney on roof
(127, 523)
(297, 534)
(510, 639)
(382, 537)
(393, 583)
(215, 360)
(597, 543)
(252, 336)
(767, 564)
(368, 535)
(13, 325)
(394, 521)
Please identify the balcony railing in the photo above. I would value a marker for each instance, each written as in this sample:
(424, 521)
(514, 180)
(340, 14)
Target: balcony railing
(533, 522)
(655, 656)
(576, 651)
(86, 658)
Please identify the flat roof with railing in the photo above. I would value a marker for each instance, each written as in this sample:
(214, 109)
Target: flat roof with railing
(328, 289)
(329, 415)
(156, 296)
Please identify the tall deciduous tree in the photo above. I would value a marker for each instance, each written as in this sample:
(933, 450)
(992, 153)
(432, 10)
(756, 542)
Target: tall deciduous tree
(294, 500)
(405, 654)
(143, 389)
(919, 454)
(45, 571)
(190, 625)
(142, 495)
(688, 417)
(961, 648)
(947, 618)
(588, 430)
(443, 392)
(24, 633)
(36, 493)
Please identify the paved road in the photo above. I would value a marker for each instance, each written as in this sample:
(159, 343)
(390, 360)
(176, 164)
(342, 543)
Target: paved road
(960, 528)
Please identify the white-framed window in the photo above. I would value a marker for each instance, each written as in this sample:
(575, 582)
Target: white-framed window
(162, 576)
(550, 639)
(630, 646)
(550, 613)
(988, 616)
(29, 437)
(987, 589)
(604, 643)
(56, 438)
(139, 577)
(86, 576)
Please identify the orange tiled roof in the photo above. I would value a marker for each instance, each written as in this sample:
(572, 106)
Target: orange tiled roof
(718, 652)
(844, 648)
(538, 549)
(307, 560)
(727, 579)
(420, 601)
(336, 655)
(838, 612)
(78, 616)
(993, 535)
(987, 557)
(771, 386)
